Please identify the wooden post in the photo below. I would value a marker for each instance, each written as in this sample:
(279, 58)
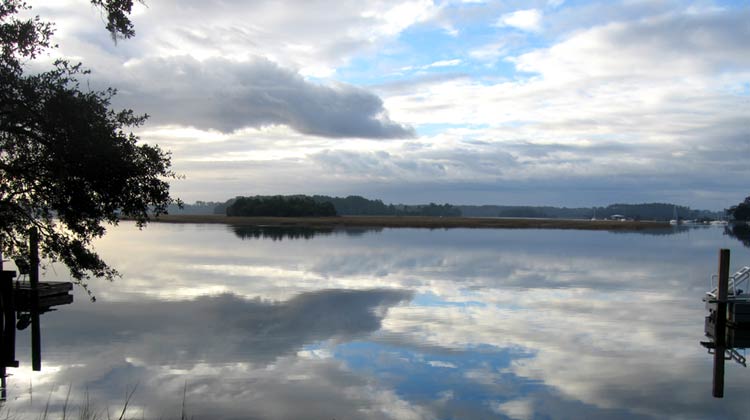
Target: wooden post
(3, 392)
(36, 336)
(34, 258)
(8, 344)
(721, 324)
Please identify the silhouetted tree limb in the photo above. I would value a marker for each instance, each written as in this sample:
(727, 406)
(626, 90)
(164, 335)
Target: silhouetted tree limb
(68, 164)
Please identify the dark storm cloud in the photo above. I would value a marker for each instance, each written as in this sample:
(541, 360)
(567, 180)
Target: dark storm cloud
(226, 95)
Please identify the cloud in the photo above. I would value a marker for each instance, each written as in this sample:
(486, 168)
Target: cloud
(444, 63)
(236, 357)
(525, 20)
(666, 47)
(291, 388)
(233, 329)
(489, 52)
(307, 35)
(377, 165)
(516, 409)
(226, 95)
(622, 95)
(610, 121)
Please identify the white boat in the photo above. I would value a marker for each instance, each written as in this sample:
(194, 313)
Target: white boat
(675, 220)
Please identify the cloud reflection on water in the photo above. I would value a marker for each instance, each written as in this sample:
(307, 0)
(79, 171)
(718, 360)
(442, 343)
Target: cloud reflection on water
(213, 339)
(588, 322)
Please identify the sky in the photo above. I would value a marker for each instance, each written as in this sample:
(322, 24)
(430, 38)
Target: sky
(554, 102)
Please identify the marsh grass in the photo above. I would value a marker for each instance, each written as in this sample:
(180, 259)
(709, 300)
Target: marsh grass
(87, 410)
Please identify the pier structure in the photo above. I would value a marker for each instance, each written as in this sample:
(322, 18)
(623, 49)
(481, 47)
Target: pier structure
(727, 324)
(23, 298)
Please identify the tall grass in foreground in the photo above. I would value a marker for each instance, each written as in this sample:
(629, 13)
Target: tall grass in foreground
(86, 410)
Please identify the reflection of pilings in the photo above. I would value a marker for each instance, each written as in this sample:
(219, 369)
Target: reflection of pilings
(36, 339)
(9, 319)
(8, 333)
(721, 323)
(7, 326)
(3, 384)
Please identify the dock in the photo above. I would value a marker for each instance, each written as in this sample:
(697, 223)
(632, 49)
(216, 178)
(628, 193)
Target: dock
(50, 293)
(21, 304)
(736, 298)
(727, 325)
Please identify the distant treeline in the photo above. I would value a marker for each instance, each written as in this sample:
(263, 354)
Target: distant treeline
(354, 205)
(646, 211)
(280, 206)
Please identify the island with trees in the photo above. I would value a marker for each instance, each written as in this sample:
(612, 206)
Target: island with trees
(280, 206)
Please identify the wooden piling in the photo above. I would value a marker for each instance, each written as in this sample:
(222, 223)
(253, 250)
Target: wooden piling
(721, 323)
(3, 383)
(8, 345)
(36, 336)
(8, 312)
(34, 257)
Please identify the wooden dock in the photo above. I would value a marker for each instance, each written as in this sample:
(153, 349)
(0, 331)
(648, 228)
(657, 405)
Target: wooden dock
(21, 303)
(737, 312)
(50, 293)
(728, 322)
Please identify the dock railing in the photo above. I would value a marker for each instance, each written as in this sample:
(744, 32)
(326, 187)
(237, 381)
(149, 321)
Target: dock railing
(739, 282)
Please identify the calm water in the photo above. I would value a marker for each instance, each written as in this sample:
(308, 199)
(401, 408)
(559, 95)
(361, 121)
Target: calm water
(391, 323)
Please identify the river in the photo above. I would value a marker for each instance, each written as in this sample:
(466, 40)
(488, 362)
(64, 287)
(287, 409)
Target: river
(387, 323)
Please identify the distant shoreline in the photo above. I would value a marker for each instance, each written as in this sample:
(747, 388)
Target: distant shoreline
(416, 222)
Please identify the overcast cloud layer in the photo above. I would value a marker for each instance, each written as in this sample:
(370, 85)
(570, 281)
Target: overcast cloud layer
(541, 102)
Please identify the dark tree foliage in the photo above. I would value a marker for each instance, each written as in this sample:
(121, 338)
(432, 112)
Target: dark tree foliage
(435, 210)
(221, 208)
(68, 165)
(280, 206)
(118, 21)
(739, 231)
(741, 211)
(356, 205)
(644, 211)
(279, 233)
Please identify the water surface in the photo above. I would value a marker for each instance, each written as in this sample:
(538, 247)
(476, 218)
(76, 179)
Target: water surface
(389, 323)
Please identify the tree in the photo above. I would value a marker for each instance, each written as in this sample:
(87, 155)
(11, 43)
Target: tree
(741, 211)
(68, 164)
(280, 206)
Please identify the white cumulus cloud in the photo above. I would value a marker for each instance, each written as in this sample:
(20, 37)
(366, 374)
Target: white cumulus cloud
(525, 20)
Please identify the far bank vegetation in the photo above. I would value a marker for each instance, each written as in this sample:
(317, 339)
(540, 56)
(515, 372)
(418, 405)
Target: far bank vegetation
(316, 206)
(280, 206)
(355, 205)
